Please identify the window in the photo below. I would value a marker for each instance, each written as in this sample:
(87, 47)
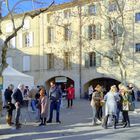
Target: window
(26, 63)
(137, 47)
(49, 16)
(92, 59)
(92, 10)
(28, 39)
(9, 28)
(91, 32)
(50, 34)
(12, 43)
(50, 61)
(112, 6)
(9, 61)
(26, 24)
(67, 62)
(67, 13)
(67, 33)
(137, 17)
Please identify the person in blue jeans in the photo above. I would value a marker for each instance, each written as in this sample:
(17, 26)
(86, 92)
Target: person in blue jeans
(55, 94)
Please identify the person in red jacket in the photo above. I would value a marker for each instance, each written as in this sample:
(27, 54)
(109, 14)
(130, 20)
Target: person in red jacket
(70, 96)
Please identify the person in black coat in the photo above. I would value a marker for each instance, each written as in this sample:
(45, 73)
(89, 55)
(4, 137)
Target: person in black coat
(8, 93)
(9, 105)
(18, 98)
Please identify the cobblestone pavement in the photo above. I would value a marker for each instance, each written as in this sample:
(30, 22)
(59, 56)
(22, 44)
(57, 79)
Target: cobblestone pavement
(76, 125)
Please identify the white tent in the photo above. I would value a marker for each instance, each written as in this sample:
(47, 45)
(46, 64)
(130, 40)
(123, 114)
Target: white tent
(12, 76)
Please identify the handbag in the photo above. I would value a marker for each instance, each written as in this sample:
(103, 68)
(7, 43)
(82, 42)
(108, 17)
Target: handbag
(125, 106)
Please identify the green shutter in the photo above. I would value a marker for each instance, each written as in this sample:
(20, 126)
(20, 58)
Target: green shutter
(98, 60)
(86, 60)
(98, 31)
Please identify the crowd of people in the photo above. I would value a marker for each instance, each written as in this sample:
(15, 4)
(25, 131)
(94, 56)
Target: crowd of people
(39, 101)
(106, 106)
(118, 100)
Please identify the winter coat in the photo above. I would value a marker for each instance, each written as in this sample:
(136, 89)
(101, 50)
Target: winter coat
(55, 93)
(96, 99)
(17, 96)
(111, 103)
(44, 106)
(70, 93)
(7, 95)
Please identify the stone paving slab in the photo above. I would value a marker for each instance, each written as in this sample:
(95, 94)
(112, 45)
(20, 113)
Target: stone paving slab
(76, 125)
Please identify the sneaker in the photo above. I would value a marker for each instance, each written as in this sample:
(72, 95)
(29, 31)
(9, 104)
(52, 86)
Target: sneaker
(40, 124)
(49, 121)
(58, 122)
(98, 121)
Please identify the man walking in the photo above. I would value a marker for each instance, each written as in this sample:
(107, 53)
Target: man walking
(18, 98)
(55, 94)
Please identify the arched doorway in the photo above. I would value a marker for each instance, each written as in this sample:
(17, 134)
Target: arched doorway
(105, 82)
(62, 81)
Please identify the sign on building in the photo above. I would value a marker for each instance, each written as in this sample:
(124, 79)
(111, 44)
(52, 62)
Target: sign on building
(61, 79)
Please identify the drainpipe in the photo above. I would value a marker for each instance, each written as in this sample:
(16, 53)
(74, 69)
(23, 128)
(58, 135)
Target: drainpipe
(80, 49)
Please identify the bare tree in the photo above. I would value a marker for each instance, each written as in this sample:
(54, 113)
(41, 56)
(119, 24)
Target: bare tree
(11, 15)
(113, 13)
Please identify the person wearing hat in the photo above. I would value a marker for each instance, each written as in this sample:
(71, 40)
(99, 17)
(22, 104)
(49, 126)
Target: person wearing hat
(97, 97)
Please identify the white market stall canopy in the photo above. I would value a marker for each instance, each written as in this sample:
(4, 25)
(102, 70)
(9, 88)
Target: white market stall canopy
(12, 76)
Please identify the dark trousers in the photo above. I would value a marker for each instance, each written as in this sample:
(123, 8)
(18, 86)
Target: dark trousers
(99, 113)
(126, 117)
(106, 120)
(43, 120)
(55, 105)
(17, 115)
(70, 102)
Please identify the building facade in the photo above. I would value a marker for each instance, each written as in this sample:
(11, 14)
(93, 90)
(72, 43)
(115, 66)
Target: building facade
(69, 44)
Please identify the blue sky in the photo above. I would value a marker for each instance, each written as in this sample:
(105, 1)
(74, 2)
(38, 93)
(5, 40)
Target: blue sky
(28, 5)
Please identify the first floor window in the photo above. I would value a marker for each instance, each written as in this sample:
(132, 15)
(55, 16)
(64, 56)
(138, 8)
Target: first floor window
(92, 59)
(137, 17)
(50, 61)
(137, 47)
(67, 61)
(26, 63)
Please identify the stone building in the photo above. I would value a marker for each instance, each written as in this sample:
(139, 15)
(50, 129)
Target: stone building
(68, 44)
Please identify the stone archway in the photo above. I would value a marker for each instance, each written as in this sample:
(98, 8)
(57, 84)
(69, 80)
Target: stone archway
(105, 82)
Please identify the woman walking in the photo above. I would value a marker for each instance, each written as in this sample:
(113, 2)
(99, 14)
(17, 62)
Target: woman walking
(111, 99)
(125, 105)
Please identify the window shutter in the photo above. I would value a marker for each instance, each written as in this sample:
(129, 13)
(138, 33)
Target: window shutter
(98, 60)
(20, 40)
(9, 28)
(98, 31)
(26, 24)
(26, 63)
(86, 10)
(13, 42)
(46, 61)
(31, 39)
(52, 35)
(119, 30)
(86, 60)
(9, 61)
(86, 32)
(98, 9)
